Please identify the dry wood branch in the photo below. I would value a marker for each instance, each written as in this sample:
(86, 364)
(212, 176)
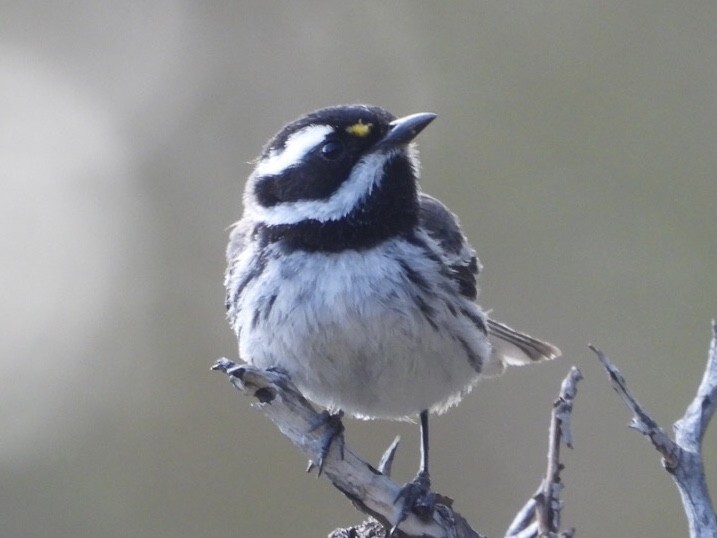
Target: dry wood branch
(541, 514)
(682, 458)
(372, 492)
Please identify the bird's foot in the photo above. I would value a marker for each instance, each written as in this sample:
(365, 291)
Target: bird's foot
(333, 432)
(416, 497)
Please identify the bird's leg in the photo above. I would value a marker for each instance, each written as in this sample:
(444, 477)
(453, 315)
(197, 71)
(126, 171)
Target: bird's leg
(417, 496)
(333, 431)
(423, 471)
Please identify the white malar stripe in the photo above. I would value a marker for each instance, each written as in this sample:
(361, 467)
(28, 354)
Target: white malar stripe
(365, 175)
(296, 147)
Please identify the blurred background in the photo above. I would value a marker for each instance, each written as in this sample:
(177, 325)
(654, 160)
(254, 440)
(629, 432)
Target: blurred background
(576, 141)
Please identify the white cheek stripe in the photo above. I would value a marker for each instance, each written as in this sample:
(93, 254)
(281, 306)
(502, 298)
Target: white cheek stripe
(296, 147)
(364, 177)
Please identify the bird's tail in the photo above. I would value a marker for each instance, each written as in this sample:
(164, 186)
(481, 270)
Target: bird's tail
(512, 348)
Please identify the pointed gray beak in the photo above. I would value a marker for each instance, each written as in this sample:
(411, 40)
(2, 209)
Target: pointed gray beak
(405, 129)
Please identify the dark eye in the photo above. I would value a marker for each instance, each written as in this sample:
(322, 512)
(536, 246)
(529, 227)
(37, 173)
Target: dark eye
(332, 149)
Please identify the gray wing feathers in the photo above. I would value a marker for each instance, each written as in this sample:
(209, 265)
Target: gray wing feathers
(510, 347)
(238, 238)
(513, 348)
(442, 225)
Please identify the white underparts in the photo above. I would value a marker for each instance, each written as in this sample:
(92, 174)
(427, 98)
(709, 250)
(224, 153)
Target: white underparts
(351, 332)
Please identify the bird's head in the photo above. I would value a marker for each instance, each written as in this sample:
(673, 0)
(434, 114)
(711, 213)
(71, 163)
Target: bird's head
(352, 162)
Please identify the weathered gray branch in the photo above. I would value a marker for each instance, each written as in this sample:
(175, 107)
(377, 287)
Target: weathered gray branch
(682, 458)
(541, 514)
(372, 492)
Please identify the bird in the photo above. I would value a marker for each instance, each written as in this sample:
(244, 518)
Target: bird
(345, 275)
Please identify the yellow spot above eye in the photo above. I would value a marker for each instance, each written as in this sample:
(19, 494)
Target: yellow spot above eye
(359, 129)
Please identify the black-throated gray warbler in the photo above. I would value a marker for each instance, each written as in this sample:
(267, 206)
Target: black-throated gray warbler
(342, 273)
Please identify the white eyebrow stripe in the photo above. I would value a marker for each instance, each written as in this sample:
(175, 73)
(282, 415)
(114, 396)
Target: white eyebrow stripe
(295, 148)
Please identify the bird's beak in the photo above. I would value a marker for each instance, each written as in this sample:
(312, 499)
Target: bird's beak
(405, 129)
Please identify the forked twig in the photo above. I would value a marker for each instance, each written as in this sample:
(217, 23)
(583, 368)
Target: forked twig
(682, 458)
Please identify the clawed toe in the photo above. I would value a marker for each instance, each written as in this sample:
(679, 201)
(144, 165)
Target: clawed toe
(416, 497)
(333, 432)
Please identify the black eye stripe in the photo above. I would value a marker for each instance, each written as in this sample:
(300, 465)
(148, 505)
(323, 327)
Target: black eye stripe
(315, 177)
(266, 191)
(311, 180)
(317, 173)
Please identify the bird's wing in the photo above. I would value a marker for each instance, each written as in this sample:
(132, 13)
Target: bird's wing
(443, 227)
(237, 241)
(510, 347)
(240, 231)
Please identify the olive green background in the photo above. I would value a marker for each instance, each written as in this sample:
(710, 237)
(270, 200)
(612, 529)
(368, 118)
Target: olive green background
(576, 140)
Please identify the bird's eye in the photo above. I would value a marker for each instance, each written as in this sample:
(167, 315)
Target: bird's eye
(332, 149)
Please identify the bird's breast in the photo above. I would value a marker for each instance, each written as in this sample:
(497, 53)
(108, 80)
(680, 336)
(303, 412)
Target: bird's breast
(371, 332)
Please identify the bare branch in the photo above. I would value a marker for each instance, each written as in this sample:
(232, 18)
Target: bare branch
(524, 524)
(682, 458)
(641, 421)
(370, 491)
(549, 503)
(541, 514)
(690, 429)
(367, 529)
